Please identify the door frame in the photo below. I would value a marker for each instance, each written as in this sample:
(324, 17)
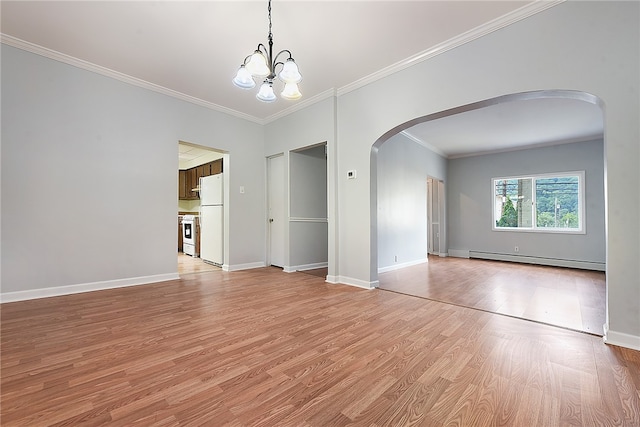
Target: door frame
(285, 209)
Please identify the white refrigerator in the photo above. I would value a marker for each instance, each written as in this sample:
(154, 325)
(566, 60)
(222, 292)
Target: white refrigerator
(212, 219)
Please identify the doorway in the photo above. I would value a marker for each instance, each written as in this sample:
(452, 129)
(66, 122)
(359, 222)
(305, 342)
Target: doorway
(297, 203)
(436, 221)
(492, 285)
(308, 222)
(194, 162)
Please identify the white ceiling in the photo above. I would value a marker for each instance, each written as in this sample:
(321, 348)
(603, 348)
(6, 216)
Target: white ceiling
(514, 124)
(192, 49)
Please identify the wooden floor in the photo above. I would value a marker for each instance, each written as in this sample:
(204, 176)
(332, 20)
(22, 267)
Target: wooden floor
(189, 265)
(557, 296)
(266, 348)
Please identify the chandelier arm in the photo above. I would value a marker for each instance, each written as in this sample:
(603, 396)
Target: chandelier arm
(280, 53)
(275, 64)
(263, 49)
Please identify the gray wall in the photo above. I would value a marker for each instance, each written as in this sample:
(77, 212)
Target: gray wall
(89, 178)
(403, 167)
(470, 204)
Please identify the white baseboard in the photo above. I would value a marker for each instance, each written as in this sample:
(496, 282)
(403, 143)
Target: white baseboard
(247, 266)
(620, 339)
(312, 266)
(443, 254)
(403, 265)
(585, 265)
(459, 253)
(332, 279)
(352, 282)
(303, 267)
(85, 287)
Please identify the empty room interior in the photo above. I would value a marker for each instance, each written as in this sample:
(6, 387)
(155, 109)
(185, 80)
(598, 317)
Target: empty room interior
(438, 225)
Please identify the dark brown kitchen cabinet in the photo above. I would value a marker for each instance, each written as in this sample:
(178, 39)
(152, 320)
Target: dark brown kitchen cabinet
(216, 167)
(182, 184)
(204, 170)
(192, 182)
(188, 179)
(199, 175)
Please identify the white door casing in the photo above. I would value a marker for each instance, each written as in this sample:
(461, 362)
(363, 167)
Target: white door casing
(276, 186)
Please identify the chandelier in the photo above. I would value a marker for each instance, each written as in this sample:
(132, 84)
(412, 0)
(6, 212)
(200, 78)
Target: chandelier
(262, 64)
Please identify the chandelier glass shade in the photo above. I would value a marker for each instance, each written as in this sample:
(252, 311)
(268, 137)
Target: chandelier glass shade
(262, 64)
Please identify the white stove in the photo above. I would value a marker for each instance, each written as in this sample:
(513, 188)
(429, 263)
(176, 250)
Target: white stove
(189, 235)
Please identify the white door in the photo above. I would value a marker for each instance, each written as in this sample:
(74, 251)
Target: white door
(276, 184)
(433, 215)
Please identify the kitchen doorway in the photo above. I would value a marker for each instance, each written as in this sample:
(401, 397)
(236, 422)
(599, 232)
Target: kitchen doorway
(195, 162)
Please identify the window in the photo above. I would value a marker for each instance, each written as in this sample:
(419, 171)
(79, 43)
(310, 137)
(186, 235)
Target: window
(550, 203)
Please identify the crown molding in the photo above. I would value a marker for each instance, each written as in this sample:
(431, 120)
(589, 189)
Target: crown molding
(584, 138)
(424, 144)
(473, 34)
(85, 65)
(301, 105)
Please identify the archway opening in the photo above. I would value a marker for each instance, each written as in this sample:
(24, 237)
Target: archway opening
(527, 134)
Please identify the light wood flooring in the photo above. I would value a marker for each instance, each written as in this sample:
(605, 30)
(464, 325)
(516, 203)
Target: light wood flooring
(266, 348)
(189, 265)
(564, 297)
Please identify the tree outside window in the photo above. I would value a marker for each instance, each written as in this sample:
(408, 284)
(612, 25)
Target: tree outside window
(539, 203)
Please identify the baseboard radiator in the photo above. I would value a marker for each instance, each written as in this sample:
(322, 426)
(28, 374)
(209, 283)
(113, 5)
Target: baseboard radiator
(584, 265)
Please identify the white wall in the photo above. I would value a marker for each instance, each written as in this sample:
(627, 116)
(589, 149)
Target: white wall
(470, 204)
(585, 46)
(403, 168)
(71, 135)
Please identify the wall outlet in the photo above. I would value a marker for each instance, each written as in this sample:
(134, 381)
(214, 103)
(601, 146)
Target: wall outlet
(516, 249)
(351, 174)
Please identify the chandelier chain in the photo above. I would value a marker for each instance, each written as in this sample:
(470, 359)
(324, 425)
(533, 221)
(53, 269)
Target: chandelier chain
(269, 9)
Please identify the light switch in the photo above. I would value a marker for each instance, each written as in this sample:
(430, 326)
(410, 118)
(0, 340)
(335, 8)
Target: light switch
(242, 189)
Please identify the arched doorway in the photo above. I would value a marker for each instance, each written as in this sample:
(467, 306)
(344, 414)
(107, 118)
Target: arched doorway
(469, 209)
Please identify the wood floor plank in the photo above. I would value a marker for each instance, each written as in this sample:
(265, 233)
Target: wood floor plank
(267, 348)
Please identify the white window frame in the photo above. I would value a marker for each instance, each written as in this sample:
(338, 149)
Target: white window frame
(534, 229)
